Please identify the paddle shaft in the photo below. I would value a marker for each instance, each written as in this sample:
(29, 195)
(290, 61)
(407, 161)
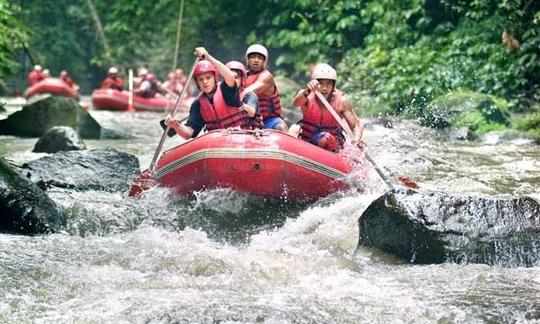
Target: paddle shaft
(130, 86)
(340, 121)
(174, 110)
(349, 132)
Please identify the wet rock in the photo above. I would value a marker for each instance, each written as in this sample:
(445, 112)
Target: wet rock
(462, 134)
(25, 208)
(287, 89)
(36, 119)
(103, 169)
(465, 109)
(438, 227)
(60, 138)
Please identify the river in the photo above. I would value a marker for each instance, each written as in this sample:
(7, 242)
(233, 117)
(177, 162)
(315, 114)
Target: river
(160, 259)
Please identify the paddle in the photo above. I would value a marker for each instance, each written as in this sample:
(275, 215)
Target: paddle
(406, 181)
(130, 87)
(173, 113)
(145, 179)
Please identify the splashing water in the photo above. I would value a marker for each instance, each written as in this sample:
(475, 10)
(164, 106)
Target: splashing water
(230, 257)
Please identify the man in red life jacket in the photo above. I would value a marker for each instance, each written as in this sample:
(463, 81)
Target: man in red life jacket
(218, 106)
(318, 126)
(141, 76)
(113, 81)
(261, 82)
(35, 75)
(64, 76)
(249, 99)
(148, 88)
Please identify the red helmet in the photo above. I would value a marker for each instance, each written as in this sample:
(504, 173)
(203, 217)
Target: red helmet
(204, 66)
(235, 65)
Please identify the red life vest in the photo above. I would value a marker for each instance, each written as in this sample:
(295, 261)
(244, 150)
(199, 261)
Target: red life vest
(220, 115)
(269, 105)
(318, 119)
(110, 83)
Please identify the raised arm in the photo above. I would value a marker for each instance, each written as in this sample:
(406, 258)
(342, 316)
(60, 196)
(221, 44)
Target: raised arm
(228, 75)
(301, 97)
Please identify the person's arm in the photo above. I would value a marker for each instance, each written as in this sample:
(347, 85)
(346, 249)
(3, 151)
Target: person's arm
(228, 75)
(193, 125)
(251, 103)
(264, 83)
(301, 97)
(353, 121)
(183, 130)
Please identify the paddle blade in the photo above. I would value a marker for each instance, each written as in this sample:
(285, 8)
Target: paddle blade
(407, 182)
(141, 183)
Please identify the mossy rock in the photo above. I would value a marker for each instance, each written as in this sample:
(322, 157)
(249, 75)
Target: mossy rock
(36, 119)
(479, 112)
(530, 124)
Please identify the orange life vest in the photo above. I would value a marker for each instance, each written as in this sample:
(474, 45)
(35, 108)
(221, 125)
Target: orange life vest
(318, 119)
(220, 115)
(269, 105)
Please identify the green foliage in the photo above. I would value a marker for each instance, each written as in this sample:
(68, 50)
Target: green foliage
(529, 124)
(13, 35)
(393, 57)
(464, 53)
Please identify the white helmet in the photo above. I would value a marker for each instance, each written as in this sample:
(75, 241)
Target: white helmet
(113, 70)
(143, 71)
(37, 67)
(257, 48)
(324, 71)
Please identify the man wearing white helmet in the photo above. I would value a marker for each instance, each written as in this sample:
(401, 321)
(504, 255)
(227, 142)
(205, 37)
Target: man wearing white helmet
(318, 126)
(113, 81)
(35, 75)
(260, 81)
(141, 76)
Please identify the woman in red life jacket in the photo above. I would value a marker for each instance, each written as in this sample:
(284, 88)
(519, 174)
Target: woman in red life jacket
(113, 81)
(249, 99)
(318, 126)
(218, 105)
(261, 82)
(35, 75)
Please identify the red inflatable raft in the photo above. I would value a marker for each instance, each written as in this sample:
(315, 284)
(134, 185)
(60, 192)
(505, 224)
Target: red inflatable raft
(263, 162)
(53, 86)
(110, 99)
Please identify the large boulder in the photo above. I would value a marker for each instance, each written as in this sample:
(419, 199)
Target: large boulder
(25, 208)
(438, 227)
(37, 118)
(59, 138)
(477, 111)
(101, 169)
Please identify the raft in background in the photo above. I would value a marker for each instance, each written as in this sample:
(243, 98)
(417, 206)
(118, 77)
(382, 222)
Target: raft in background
(266, 163)
(54, 86)
(110, 99)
